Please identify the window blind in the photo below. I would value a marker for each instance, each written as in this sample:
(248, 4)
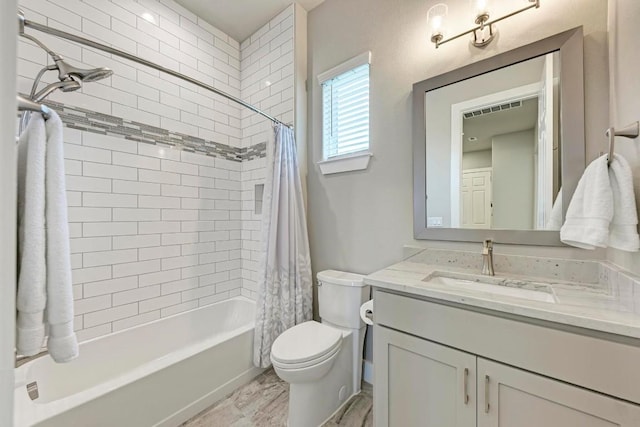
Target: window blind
(345, 112)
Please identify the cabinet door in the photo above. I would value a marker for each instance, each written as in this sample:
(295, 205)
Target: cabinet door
(510, 397)
(420, 383)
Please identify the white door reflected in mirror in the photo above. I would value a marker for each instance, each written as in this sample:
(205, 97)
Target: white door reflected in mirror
(476, 198)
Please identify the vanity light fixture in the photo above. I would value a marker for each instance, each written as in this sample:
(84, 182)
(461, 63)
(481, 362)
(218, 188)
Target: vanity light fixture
(483, 33)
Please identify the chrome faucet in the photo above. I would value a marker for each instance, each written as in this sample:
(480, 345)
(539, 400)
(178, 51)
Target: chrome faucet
(487, 258)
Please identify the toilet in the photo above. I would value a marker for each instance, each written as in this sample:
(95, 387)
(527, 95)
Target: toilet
(322, 362)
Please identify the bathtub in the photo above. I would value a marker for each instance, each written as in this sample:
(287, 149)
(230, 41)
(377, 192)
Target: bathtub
(157, 374)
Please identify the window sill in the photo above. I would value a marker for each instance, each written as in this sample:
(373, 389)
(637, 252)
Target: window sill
(347, 163)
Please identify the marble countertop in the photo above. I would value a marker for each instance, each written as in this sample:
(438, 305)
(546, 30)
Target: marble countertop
(590, 306)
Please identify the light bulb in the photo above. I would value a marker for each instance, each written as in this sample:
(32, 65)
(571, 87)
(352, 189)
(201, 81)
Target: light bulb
(435, 18)
(481, 7)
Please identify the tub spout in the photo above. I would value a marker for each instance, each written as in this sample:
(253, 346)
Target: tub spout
(32, 390)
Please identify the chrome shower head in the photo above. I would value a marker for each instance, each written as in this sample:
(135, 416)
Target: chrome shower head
(67, 71)
(97, 74)
(65, 86)
(69, 86)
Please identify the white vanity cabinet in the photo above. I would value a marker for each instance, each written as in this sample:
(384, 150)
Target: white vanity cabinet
(420, 383)
(437, 365)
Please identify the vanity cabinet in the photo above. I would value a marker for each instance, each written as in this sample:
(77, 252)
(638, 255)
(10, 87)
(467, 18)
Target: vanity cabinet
(421, 383)
(435, 365)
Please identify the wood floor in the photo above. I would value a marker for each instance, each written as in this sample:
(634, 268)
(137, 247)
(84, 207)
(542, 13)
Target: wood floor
(264, 402)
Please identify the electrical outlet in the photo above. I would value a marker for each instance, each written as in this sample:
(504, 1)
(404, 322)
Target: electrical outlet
(434, 221)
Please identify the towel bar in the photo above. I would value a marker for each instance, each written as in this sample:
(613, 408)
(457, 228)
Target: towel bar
(631, 131)
(26, 104)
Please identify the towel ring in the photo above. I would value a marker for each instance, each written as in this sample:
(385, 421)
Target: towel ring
(632, 131)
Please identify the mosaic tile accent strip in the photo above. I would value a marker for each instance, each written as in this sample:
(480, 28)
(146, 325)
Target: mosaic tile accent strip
(254, 152)
(91, 121)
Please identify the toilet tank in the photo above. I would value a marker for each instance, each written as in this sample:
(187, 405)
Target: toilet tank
(340, 296)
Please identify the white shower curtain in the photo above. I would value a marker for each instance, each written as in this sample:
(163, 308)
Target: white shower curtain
(284, 284)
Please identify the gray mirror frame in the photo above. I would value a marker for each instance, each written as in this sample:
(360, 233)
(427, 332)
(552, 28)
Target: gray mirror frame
(570, 45)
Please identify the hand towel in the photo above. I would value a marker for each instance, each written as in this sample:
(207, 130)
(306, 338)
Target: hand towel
(62, 341)
(623, 232)
(591, 209)
(555, 219)
(31, 297)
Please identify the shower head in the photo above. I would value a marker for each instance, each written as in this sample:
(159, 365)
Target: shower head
(65, 86)
(67, 71)
(69, 86)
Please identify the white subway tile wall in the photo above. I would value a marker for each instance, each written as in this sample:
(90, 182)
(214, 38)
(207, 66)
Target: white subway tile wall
(267, 81)
(157, 231)
(141, 255)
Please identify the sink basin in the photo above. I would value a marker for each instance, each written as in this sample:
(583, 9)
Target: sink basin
(531, 291)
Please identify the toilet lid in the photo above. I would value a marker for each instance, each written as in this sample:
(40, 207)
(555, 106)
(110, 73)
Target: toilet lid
(304, 342)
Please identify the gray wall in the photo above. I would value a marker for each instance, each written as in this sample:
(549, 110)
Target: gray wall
(359, 221)
(625, 99)
(513, 164)
(476, 159)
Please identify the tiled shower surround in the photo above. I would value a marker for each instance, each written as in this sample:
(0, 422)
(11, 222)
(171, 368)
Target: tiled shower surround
(161, 174)
(154, 231)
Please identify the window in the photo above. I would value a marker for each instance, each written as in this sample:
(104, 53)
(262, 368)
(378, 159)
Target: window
(345, 116)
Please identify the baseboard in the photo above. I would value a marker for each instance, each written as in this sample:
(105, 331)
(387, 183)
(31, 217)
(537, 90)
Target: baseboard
(209, 399)
(367, 372)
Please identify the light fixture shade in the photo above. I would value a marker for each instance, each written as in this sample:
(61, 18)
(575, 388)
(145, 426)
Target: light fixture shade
(480, 7)
(435, 17)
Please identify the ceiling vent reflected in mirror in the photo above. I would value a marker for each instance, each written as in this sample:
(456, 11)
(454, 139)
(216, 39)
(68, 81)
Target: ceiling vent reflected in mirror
(492, 109)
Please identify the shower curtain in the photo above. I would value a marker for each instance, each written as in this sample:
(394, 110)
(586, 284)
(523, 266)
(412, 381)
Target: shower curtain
(284, 283)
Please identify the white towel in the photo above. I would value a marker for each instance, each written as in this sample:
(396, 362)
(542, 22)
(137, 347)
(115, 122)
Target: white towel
(555, 219)
(62, 341)
(31, 297)
(44, 280)
(591, 209)
(623, 232)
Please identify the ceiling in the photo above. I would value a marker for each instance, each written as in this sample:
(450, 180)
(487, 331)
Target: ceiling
(241, 18)
(485, 127)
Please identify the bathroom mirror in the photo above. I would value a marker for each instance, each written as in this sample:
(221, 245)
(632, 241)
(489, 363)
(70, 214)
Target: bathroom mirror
(499, 145)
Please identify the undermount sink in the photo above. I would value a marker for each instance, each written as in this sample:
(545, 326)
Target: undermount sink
(531, 291)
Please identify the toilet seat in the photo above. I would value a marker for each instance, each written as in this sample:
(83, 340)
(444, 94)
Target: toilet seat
(307, 344)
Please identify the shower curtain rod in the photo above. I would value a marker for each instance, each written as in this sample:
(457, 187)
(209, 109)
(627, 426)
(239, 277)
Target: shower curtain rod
(134, 58)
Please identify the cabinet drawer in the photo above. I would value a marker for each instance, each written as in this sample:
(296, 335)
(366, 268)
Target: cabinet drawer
(595, 363)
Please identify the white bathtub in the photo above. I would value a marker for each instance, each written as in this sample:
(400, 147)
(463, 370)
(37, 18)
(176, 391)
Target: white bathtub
(157, 374)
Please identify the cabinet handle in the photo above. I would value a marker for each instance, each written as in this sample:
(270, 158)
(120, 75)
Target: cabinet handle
(466, 386)
(486, 394)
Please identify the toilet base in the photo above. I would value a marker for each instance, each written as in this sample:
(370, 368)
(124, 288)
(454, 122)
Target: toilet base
(312, 403)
